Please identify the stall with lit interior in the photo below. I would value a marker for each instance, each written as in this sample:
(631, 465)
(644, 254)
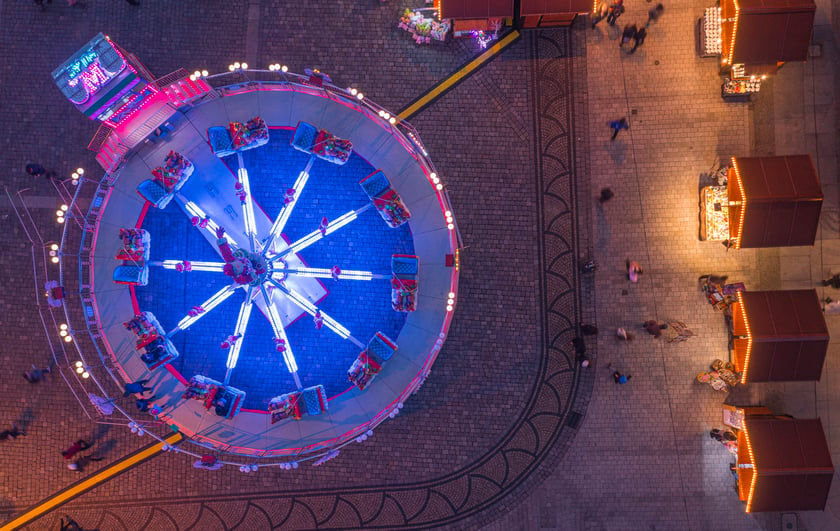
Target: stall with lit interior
(778, 336)
(767, 202)
(784, 464)
(755, 37)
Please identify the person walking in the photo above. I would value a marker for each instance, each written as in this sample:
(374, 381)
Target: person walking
(580, 346)
(36, 374)
(588, 329)
(633, 271)
(12, 434)
(624, 335)
(621, 378)
(638, 39)
(606, 195)
(75, 448)
(143, 404)
(601, 13)
(616, 9)
(33, 169)
(618, 125)
(79, 464)
(654, 328)
(137, 387)
(627, 34)
(654, 14)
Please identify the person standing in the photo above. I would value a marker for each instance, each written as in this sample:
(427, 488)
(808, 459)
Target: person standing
(616, 9)
(143, 404)
(654, 328)
(617, 126)
(638, 39)
(654, 14)
(606, 195)
(33, 169)
(12, 434)
(138, 387)
(588, 329)
(633, 270)
(621, 378)
(627, 34)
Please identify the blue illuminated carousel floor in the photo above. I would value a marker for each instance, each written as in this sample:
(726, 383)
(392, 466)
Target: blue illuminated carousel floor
(363, 307)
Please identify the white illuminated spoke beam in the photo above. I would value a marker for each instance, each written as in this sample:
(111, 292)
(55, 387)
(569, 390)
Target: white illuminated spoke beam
(239, 333)
(312, 272)
(218, 298)
(279, 331)
(311, 309)
(316, 235)
(195, 210)
(194, 266)
(286, 211)
(248, 204)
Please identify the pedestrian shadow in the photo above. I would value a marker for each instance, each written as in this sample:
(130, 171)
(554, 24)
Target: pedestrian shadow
(618, 150)
(604, 232)
(100, 431)
(25, 418)
(106, 447)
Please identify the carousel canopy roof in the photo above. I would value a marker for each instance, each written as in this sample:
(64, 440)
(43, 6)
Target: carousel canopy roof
(788, 332)
(770, 31)
(549, 7)
(792, 462)
(472, 9)
(780, 197)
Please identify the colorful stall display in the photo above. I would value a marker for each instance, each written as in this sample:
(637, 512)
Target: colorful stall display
(226, 401)
(134, 254)
(237, 136)
(404, 270)
(386, 200)
(322, 144)
(722, 377)
(714, 214)
(369, 363)
(424, 29)
(168, 179)
(308, 401)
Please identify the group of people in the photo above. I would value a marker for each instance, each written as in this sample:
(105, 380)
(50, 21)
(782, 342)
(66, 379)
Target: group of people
(139, 387)
(611, 12)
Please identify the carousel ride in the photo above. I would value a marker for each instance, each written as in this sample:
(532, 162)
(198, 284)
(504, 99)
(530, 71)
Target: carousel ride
(241, 182)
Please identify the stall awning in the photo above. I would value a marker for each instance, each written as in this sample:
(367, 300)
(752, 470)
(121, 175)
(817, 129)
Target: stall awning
(784, 465)
(780, 336)
(766, 31)
(554, 7)
(476, 9)
(777, 201)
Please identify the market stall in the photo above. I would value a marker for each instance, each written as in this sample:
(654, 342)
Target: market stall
(755, 37)
(773, 201)
(783, 464)
(552, 13)
(778, 336)
(472, 16)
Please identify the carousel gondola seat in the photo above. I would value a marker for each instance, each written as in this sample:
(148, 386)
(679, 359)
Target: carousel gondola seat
(131, 274)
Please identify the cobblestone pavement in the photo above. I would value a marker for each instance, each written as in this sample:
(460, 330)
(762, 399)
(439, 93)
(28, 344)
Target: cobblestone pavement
(505, 434)
(502, 389)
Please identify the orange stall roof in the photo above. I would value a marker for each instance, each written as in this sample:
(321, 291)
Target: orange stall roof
(472, 9)
(553, 7)
(771, 31)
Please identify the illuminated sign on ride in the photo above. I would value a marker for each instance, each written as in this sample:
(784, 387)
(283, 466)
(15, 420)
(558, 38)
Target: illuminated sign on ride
(89, 70)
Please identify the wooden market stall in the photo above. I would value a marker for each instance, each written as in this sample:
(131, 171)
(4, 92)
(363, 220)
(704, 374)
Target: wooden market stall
(773, 201)
(784, 464)
(779, 336)
(755, 37)
(551, 13)
(475, 15)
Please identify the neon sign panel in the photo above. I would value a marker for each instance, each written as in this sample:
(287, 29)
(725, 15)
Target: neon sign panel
(93, 67)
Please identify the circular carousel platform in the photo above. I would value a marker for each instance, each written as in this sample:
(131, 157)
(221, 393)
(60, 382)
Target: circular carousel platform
(322, 260)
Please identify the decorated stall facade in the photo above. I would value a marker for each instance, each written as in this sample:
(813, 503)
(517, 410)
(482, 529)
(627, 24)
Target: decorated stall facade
(755, 37)
(783, 464)
(779, 336)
